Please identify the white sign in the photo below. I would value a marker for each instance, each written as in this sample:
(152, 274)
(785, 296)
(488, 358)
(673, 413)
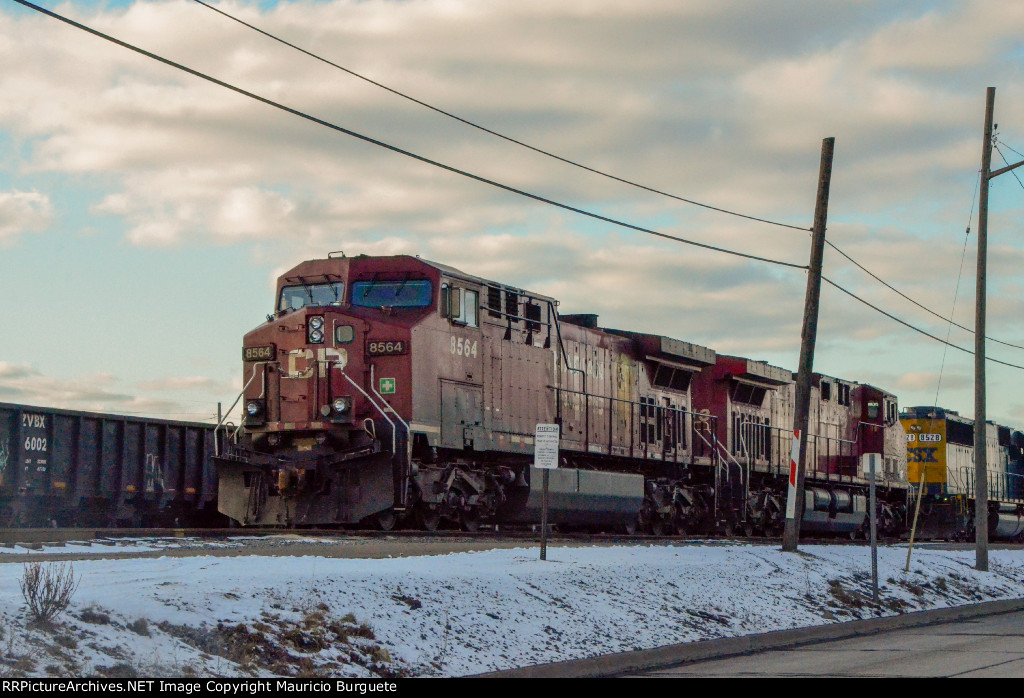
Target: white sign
(869, 461)
(545, 446)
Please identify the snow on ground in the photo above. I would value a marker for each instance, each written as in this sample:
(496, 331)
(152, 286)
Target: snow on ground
(462, 613)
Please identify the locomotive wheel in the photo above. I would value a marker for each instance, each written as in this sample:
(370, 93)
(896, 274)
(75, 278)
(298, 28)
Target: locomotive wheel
(385, 520)
(469, 520)
(658, 526)
(427, 518)
(630, 527)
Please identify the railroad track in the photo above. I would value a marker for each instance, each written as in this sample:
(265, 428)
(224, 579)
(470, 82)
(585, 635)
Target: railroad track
(38, 537)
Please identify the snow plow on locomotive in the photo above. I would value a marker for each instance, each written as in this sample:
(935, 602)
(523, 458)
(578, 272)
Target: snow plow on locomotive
(391, 389)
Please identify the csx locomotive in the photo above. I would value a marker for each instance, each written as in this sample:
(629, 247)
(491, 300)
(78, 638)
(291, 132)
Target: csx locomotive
(388, 390)
(940, 449)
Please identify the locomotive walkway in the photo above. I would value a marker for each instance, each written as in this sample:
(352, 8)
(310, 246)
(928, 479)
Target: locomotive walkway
(985, 639)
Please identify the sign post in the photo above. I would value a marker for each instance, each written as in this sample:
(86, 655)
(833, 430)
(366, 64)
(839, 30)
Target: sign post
(870, 461)
(545, 457)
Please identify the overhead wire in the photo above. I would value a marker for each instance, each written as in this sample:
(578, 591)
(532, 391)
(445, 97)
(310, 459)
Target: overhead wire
(475, 177)
(568, 161)
(402, 151)
(1013, 172)
(913, 327)
(956, 292)
(492, 132)
(915, 302)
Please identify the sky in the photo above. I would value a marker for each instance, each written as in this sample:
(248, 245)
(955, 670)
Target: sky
(145, 213)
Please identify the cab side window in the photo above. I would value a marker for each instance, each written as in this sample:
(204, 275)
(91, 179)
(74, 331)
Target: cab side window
(460, 305)
(470, 308)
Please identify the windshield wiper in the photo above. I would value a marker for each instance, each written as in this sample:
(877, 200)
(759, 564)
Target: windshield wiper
(334, 286)
(371, 284)
(398, 291)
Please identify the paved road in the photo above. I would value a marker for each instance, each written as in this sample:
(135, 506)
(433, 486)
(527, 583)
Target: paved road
(989, 647)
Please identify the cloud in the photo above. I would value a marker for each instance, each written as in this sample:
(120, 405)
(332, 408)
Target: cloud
(929, 380)
(105, 392)
(721, 102)
(187, 383)
(21, 212)
(9, 371)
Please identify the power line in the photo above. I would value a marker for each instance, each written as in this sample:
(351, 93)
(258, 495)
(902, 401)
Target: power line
(396, 149)
(956, 291)
(1013, 172)
(1003, 143)
(495, 133)
(483, 179)
(908, 325)
(917, 303)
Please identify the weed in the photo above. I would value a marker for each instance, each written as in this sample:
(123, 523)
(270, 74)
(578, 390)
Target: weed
(67, 642)
(844, 597)
(408, 601)
(914, 589)
(364, 630)
(121, 670)
(94, 616)
(48, 589)
(140, 627)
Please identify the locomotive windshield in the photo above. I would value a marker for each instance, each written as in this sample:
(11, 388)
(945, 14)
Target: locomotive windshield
(414, 293)
(295, 297)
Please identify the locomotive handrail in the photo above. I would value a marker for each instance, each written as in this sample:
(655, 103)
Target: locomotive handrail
(216, 445)
(408, 432)
(561, 350)
(998, 480)
(388, 405)
(394, 430)
(679, 411)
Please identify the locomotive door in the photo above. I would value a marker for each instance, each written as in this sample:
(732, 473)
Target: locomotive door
(462, 414)
(669, 429)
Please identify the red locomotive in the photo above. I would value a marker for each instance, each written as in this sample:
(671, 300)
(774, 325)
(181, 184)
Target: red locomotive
(388, 389)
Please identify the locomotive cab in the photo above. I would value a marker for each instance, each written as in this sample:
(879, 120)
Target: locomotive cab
(327, 394)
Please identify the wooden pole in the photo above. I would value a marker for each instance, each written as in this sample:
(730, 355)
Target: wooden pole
(917, 512)
(980, 451)
(808, 336)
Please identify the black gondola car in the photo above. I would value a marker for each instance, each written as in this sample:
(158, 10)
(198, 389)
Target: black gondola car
(67, 468)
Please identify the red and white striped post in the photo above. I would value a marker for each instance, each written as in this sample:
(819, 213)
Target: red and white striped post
(791, 494)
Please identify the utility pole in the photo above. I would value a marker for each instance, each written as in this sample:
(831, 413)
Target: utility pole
(980, 450)
(980, 421)
(808, 336)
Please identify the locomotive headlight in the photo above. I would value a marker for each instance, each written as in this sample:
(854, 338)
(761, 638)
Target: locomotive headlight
(316, 330)
(341, 405)
(255, 412)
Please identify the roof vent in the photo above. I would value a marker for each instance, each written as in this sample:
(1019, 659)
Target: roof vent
(588, 320)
